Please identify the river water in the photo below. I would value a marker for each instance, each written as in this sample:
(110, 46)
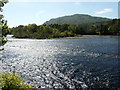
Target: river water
(65, 63)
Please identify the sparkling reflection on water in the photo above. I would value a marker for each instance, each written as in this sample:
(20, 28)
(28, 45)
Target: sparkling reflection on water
(65, 63)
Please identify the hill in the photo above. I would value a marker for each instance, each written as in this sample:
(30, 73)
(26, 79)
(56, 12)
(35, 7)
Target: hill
(76, 19)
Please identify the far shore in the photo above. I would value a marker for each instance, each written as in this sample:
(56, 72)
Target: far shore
(93, 36)
(78, 37)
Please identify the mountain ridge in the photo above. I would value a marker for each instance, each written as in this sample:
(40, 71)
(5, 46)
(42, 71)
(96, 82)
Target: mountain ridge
(76, 19)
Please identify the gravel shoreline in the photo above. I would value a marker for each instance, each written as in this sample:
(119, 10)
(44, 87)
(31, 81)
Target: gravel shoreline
(94, 36)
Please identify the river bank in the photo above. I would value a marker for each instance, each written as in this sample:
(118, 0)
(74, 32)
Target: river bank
(94, 36)
(77, 37)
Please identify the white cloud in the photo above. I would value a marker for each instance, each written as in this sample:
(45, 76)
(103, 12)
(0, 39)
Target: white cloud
(63, 1)
(106, 10)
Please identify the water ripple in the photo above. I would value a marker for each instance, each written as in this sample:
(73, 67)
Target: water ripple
(64, 63)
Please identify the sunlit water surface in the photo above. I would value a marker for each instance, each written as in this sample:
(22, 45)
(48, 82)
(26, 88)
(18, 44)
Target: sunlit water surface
(65, 63)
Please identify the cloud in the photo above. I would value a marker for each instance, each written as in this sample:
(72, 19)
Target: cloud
(106, 10)
(63, 0)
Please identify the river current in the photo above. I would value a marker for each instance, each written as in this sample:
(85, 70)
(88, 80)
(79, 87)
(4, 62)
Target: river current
(65, 63)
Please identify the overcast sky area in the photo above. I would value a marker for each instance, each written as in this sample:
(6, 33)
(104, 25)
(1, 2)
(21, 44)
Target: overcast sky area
(24, 12)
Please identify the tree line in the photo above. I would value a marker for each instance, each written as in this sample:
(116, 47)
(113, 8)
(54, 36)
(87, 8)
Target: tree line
(66, 30)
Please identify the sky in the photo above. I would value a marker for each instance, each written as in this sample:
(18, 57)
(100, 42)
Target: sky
(24, 12)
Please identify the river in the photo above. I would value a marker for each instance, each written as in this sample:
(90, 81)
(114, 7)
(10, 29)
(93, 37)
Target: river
(65, 63)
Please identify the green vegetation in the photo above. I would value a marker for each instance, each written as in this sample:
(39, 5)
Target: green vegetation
(110, 27)
(13, 81)
(76, 20)
(3, 25)
(40, 32)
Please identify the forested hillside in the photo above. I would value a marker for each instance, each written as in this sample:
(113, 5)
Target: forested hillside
(76, 19)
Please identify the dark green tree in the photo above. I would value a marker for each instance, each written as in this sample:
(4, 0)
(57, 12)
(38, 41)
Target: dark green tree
(92, 29)
(3, 24)
(5, 29)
